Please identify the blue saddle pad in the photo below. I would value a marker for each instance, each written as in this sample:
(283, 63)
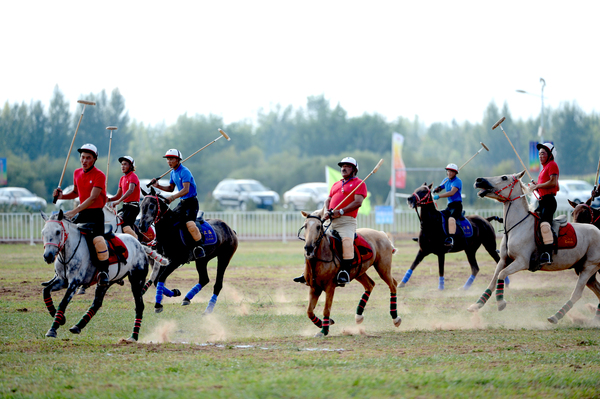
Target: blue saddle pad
(208, 233)
(463, 223)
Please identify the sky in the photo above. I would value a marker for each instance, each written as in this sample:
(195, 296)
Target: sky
(438, 60)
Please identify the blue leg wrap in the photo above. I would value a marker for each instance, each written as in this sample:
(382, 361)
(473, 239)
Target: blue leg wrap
(211, 304)
(469, 282)
(167, 292)
(190, 295)
(441, 284)
(159, 292)
(407, 276)
(506, 281)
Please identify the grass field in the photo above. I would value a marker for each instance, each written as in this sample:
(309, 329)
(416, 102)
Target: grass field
(259, 343)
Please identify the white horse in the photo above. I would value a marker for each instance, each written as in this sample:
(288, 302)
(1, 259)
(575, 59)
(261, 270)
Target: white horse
(518, 244)
(65, 245)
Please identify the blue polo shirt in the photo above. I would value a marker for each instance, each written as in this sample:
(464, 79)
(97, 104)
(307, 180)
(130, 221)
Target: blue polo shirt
(448, 184)
(183, 175)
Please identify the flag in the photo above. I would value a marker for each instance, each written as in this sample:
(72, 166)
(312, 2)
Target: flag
(399, 168)
(332, 175)
(534, 163)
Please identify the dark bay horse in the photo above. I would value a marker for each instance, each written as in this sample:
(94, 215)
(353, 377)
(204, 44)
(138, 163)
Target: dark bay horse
(431, 237)
(584, 213)
(322, 266)
(154, 209)
(65, 246)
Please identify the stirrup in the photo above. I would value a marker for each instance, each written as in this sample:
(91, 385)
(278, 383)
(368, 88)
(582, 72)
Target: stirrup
(199, 252)
(449, 242)
(343, 278)
(301, 279)
(102, 279)
(545, 259)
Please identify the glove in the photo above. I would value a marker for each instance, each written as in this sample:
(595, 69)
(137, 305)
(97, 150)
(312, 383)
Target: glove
(437, 189)
(436, 197)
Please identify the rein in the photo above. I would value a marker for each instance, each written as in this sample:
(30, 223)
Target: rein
(63, 242)
(425, 200)
(158, 215)
(510, 202)
(321, 236)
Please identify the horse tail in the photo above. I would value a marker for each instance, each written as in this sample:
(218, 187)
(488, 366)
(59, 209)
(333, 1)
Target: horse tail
(156, 256)
(389, 236)
(496, 218)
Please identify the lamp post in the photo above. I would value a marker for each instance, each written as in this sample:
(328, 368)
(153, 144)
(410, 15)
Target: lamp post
(541, 129)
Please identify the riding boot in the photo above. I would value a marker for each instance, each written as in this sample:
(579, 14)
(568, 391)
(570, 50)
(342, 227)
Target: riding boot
(103, 273)
(301, 279)
(546, 256)
(198, 251)
(343, 277)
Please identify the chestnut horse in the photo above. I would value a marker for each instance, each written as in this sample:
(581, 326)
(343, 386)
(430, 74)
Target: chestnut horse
(322, 265)
(518, 244)
(431, 237)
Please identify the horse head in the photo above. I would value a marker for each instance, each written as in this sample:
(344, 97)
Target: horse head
(313, 232)
(421, 196)
(501, 188)
(584, 213)
(54, 235)
(153, 207)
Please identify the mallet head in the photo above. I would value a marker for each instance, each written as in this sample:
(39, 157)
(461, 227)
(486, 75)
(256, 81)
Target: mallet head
(484, 146)
(224, 134)
(498, 123)
(378, 165)
(111, 128)
(86, 102)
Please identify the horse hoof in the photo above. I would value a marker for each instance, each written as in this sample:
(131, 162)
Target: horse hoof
(131, 339)
(397, 321)
(121, 282)
(176, 292)
(474, 308)
(81, 291)
(501, 305)
(51, 333)
(158, 308)
(359, 318)
(319, 335)
(553, 319)
(401, 285)
(185, 302)
(209, 308)
(75, 329)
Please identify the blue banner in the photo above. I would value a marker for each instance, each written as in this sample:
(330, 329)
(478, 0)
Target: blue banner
(3, 174)
(384, 214)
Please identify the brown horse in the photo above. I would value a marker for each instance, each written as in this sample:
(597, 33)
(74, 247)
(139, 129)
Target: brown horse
(584, 213)
(518, 244)
(431, 237)
(322, 265)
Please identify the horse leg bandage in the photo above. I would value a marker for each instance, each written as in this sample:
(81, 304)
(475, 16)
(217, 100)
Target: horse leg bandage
(192, 293)
(393, 306)
(407, 276)
(546, 231)
(363, 302)
(348, 247)
(441, 284)
(211, 304)
(563, 311)
(484, 297)
(193, 229)
(469, 282)
(101, 249)
(451, 226)
(325, 328)
(129, 230)
(500, 290)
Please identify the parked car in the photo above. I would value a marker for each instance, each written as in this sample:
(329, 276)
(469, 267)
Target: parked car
(19, 196)
(577, 191)
(67, 205)
(306, 194)
(239, 193)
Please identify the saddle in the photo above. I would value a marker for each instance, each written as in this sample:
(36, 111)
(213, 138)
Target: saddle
(362, 249)
(566, 237)
(465, 226)
(209, 236)
(117, 250)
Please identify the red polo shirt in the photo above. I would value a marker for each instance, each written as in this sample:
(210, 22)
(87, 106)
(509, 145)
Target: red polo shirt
(86, 181)
(551, 168)
(130, 177)
(337, 196)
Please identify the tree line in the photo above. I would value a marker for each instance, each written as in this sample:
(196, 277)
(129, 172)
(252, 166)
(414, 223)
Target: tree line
(285, 146)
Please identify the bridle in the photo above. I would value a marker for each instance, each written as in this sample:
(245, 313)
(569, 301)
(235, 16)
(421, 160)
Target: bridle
(159, 213)
(321, 235)
(420, 201)
(510, 202)
(64, 236)
(591, 211)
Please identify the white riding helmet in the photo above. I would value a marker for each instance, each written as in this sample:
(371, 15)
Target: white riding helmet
(128, 158)
(89, 148)
(547, 146)
(453, 167)
(174, 153)
(349, 160)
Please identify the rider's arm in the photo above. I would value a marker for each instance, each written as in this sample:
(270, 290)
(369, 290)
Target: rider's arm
(95, 194)
(168, 188)
(449, 193)
(117, 196)
(358, 200)
(59, 194)
(553, 182)
(181, 193)
(130, 191)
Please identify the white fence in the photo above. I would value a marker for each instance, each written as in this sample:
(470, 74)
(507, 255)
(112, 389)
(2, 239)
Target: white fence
(250, 226)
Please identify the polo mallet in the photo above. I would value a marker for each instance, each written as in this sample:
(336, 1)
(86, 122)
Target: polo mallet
(223, 134)
(361, 183)
(597, 175)
(481, 149)
(499, 123)
(111, 128)
(72, 142)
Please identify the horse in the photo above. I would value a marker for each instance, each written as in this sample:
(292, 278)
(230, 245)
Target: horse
(518, 247)
(431, 237)
(169, 236)
(584, 213)
(322, 265)
(65, 246)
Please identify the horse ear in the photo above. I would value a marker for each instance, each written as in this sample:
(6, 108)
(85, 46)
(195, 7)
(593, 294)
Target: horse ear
(520, 175)
(573, 204)
(431, 185)
(152, 191)
(145, 194)
(44, 216)
(589, 201)
(425, 183)
(60, 215)
(304, 214)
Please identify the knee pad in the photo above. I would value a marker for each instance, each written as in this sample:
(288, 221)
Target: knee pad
(546, 231)
(193, 229)
(129, 230)
(451, 226)
(101, 249)
(348, 248)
